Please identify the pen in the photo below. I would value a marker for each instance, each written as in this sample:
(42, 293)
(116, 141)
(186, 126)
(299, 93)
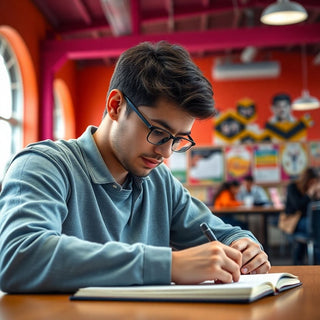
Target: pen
(208, 232)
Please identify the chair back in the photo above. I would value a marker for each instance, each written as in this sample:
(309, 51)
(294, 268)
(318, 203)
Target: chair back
(314, 221)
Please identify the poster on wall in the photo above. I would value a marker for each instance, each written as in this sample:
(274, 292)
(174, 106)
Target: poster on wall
(314, 154)
(266, 167)
(206, 165)
(238, 161)
(294, 160)
(178, 166)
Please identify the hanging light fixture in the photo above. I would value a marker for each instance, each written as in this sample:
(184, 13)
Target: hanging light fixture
(283, 12)
(305, 102)
(118, 15)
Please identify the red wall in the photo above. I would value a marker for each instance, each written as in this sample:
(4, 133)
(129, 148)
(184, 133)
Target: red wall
(92, 84)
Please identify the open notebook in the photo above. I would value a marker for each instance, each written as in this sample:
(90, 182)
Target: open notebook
(248, 289)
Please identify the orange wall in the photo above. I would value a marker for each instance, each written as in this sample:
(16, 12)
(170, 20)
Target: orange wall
(23, 16)
(92, 84)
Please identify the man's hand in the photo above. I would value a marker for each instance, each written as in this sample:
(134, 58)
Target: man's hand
(210, 261)
(254, 260)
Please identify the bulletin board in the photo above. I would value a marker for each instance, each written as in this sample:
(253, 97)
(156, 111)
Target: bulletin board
(268, 163)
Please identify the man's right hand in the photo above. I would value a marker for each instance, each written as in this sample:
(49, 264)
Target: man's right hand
(210, 261)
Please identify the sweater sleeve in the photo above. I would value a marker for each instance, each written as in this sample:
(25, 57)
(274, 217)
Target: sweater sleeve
(35, 256)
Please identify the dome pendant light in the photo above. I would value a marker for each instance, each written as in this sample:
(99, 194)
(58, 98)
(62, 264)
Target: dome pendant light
(283, 12)
(305, 102)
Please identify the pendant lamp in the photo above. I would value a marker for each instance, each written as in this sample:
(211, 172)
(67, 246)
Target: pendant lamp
(305, 102)
(283, 12)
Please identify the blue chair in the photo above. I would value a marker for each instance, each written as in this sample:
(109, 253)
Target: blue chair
(312, 238)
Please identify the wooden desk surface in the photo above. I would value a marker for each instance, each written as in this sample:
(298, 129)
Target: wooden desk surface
(299, 303)
(263, 211)
(268, 210)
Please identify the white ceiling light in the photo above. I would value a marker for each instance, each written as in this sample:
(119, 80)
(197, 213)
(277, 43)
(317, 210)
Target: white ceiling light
(283, 12)
(305, 102)
(118, 15)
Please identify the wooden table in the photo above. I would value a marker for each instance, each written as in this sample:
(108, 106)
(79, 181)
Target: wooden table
(296, 304)
(263, 211)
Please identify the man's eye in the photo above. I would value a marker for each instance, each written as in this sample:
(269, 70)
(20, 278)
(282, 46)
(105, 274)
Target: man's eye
(159, 133)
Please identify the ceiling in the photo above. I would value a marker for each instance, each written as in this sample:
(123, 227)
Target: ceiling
(230, 19)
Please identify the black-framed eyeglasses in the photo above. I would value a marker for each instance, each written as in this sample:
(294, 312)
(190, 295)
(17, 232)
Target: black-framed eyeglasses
(158, 136)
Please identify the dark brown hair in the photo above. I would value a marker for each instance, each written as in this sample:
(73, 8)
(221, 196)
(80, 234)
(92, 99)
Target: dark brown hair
(303, 181)
(148, 72)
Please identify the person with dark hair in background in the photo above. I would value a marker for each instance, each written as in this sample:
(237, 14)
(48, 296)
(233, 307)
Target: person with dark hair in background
(249, 189)
(226, 197)
(103, 209)
(299, 194)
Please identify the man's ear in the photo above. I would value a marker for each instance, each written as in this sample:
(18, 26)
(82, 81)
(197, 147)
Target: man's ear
(114, 103)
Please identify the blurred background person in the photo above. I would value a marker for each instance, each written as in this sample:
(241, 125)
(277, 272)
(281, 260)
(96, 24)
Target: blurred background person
(250, 193)
(226, 197)
(299, 194)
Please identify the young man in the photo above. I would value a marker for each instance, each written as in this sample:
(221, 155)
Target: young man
(103, 209)
(250, 189)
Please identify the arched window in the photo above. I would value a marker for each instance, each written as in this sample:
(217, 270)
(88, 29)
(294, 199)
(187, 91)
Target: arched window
(63, 112)
(11, 105)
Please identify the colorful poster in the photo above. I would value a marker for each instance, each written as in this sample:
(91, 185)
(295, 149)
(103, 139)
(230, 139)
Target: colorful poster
(206, 165)
(314, 154)
(178, 166)
(238, 162)
(266, 167)
(294, 160)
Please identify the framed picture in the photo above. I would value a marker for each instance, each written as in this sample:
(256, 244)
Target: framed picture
(266, 166)
(238, 161)
(206, 165)
(294, 159)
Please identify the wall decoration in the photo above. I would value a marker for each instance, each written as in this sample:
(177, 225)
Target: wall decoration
(294, 159)
(228, 127)
(292, 131)
(238, 161)
(246, 108)
(206, 165)
(240, 126)
(178, 166)
(266, 167)
(314, 154)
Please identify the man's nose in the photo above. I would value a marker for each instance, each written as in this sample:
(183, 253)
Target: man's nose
(165, 150)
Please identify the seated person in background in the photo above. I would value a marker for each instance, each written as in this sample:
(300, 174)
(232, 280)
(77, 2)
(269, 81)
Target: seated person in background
(299, 194)
(249, 189)
(227, 194)
(103, 209)
(226, 197)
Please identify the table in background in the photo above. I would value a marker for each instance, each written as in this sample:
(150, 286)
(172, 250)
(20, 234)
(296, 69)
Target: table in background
(298, 303)
(263, 211)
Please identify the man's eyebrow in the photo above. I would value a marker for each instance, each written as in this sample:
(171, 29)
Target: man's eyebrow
(165, 125)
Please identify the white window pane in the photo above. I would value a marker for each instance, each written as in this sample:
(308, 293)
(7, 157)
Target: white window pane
(5, 143)
(5, 91)
(58, 118)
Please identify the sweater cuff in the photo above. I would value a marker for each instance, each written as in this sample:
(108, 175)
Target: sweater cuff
(157, 265)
